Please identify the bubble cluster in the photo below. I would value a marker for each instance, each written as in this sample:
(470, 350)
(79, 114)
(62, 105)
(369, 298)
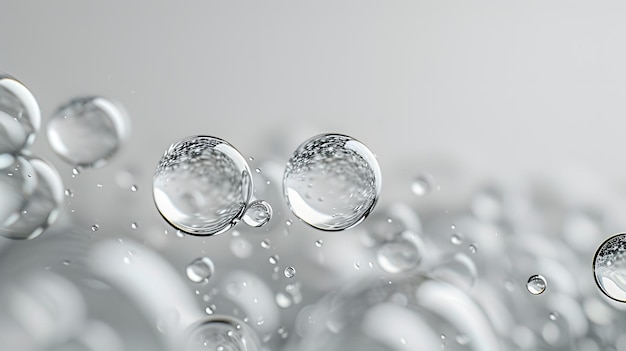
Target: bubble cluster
(332, 182)
(202, 185)
(88, 131)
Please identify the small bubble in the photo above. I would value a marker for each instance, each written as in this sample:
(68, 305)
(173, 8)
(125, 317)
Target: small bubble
(554, 316)
(290, 272)
(319, 243)
(200, 270)
(288, 222)
(472, 248)
(258, 170)
(452, 226)
(209, 310)
(134, 225)
(67, 262)
(75, 171)
(69, 193)
(180, 234)
(258, 213)
(456, 238)
(274, 259)
(422, 185)
(536, 284)
(133, 188)
(95, 227)
(265, 244)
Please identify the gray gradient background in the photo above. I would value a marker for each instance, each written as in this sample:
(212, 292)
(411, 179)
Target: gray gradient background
(476, 90)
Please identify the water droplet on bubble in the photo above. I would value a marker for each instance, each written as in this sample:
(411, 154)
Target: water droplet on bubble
(319, 243)
(200, 270)
(95, 227)
(457, 238)
(339, 169)
(202, 185)
(609, 267)
(258, 213)
(290, 272)
(20, 117)
(402, 253)
(422, 185)
(536, 284)
(88, 131)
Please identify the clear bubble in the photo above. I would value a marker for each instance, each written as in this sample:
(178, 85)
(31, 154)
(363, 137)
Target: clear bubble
(17, 184)
(472, 248)
(290, 272)
(20, 117)
(273, 259)
(332, 182)
(401, 254)
(133, 188)
(134, 225)
(457, 238)
(202, 185)
(88, 131)
(95, 228)
(319, 243)
(266, 244)
(609, 267)
(536, 284)
(200, 270)
(258, 213)
(422, 185)
(221, 333)
(42, 208)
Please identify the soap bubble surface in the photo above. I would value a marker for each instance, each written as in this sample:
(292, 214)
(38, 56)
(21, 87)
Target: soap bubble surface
(609, 267)
(20, 116)
(202, 185)
(332, 182)
(88, 131)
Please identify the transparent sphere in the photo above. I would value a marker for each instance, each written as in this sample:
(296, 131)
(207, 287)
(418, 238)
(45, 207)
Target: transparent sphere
(87, 131)
(41, 208)
(536, 284)
(202, 185)
(200, 270)
(609, 267)
(332, 182)
(258, 213)
(401, 254)
(221, 333)
(20, 116)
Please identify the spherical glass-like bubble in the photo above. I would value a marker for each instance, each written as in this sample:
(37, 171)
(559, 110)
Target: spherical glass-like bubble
(200, 270)
(42, 206)
(88, 131)
(609, 267)
(536, 284)
(20, 116)
(221, 333)
(402, 253)
(332, 182)
(258, 213)
(18, 181)
(202, 185)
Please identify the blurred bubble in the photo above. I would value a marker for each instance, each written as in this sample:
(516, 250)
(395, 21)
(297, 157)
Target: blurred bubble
(88, 131)
(42, 207)
(200, 270)
(332, 182)
(221, 333)
(422, 184)
(458, 270)
(258, 213)
(401, 254)
(536, 284)
(20, 117)
(202, 185)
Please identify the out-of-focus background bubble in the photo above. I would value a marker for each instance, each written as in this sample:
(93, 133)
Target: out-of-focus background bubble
(497, 127)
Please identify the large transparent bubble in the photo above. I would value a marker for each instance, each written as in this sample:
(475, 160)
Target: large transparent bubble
(20, 116)
(332, 182)
(202, 185)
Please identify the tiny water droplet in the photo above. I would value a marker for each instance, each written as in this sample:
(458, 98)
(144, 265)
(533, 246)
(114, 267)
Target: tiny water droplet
(134, 225)
(319, 243)
(457, 238)
(288, 222)
(554, 316)
(265, 244)
(472, 248)
(99, 185)
(290, 272)
(133, 188)
(69, 193)
(95, 227)
(536, 284)
(258, 170)
(209, 310)
(422, 185)
(67, 262)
